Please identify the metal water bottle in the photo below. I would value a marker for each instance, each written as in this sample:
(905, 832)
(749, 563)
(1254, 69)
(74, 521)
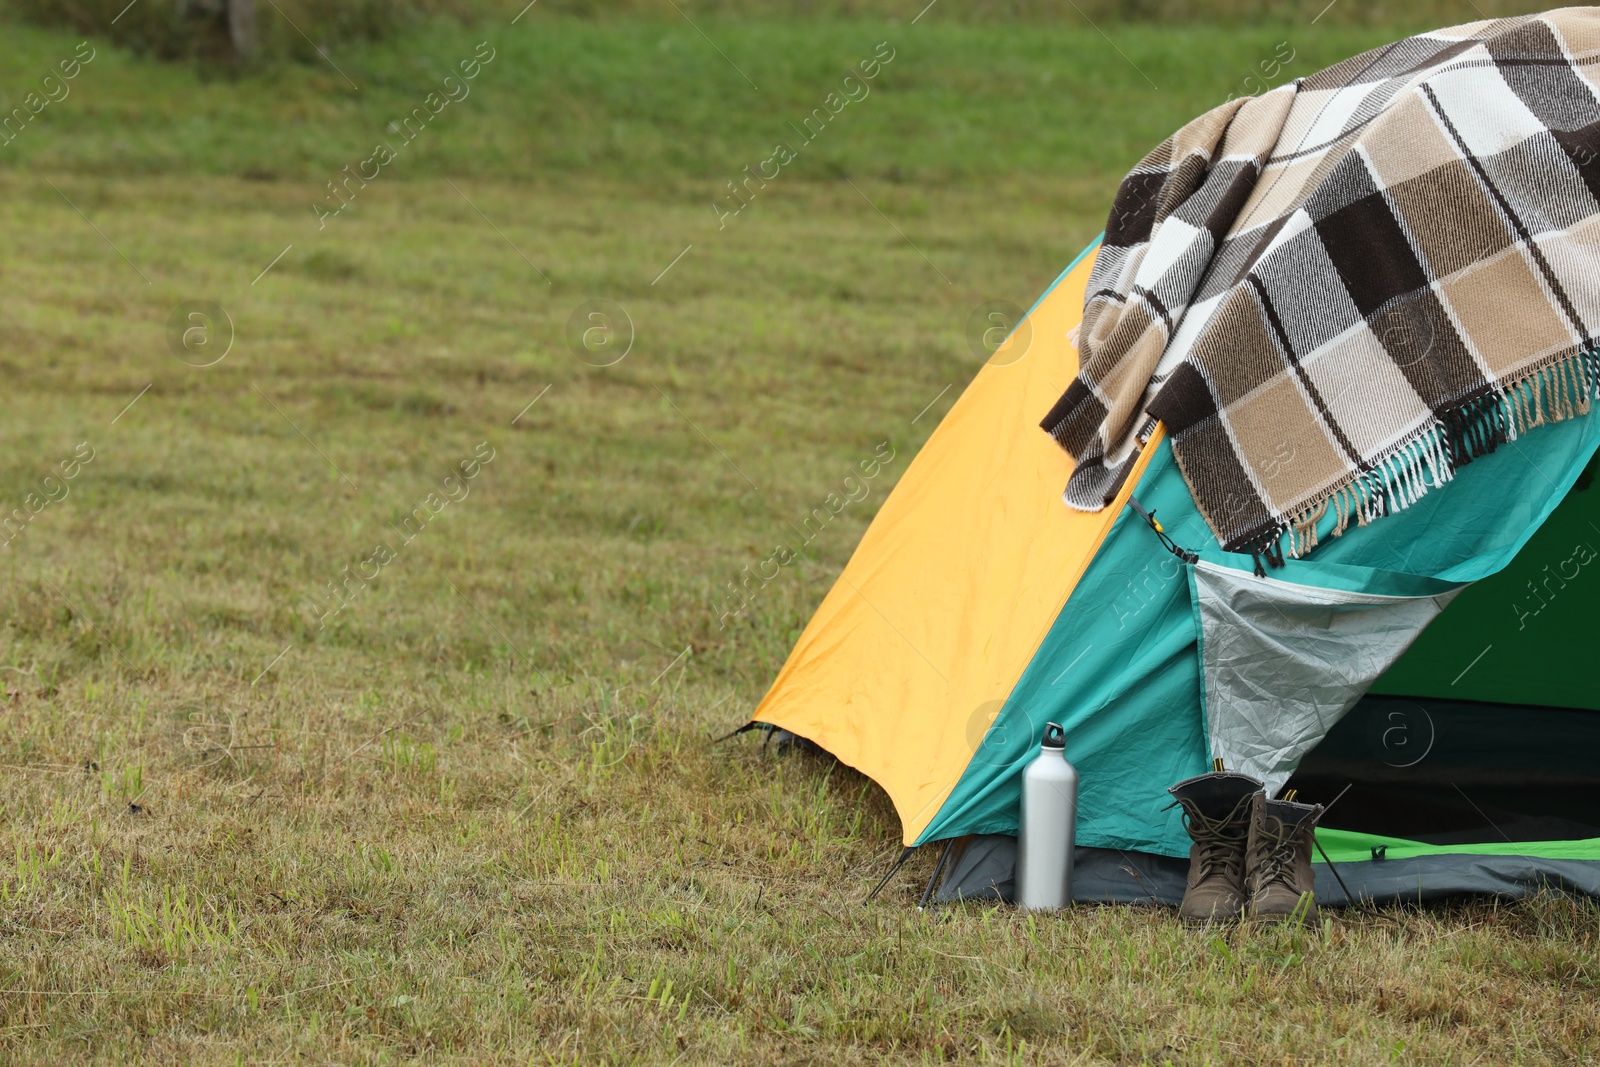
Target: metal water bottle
(1049, 826)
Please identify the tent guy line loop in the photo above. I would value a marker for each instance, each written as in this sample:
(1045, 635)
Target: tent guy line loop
(1166, 541)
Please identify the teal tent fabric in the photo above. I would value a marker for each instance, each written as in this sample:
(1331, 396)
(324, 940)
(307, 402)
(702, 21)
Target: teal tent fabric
(1119, 669)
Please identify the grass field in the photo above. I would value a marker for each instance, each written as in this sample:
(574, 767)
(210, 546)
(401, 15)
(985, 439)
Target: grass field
(465, 807)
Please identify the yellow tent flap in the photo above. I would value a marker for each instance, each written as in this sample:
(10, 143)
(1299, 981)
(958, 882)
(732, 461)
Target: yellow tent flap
(947, 598)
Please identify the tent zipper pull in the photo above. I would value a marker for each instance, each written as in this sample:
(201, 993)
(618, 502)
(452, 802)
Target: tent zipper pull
(1167, 542)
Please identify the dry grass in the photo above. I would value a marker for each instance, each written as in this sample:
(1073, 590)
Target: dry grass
(590, 882)
(477, 815)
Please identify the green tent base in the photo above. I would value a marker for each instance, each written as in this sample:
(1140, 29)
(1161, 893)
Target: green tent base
(1375, 871)
(1351, 846)
(1132, 878)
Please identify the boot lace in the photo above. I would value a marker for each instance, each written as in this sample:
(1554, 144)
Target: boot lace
(1219, 839)
(1276, 846)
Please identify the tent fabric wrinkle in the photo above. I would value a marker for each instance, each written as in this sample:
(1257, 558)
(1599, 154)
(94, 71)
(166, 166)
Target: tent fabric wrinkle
(1279, 287)
(1281, 663)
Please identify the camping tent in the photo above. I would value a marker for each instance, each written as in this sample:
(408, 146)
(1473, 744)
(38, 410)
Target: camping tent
(1390, 266)
(977, 608)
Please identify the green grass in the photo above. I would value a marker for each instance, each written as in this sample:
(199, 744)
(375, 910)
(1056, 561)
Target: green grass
(652, 104)
(476, 815)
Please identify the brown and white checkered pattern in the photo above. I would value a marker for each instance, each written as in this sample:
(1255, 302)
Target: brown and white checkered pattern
(1339, 291)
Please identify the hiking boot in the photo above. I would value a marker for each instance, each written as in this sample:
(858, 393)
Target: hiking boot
(1278, 866)
(1216, 812)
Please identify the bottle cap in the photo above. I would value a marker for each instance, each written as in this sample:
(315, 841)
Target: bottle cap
(1054, 736)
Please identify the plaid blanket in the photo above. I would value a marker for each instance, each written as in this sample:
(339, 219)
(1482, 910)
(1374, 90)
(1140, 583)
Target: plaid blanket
(1336, 293)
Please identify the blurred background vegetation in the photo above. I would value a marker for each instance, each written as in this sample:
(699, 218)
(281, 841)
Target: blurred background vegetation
(636, 90)
(226, 31)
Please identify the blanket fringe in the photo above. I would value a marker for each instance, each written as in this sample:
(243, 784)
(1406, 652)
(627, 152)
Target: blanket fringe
(1554, 393)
